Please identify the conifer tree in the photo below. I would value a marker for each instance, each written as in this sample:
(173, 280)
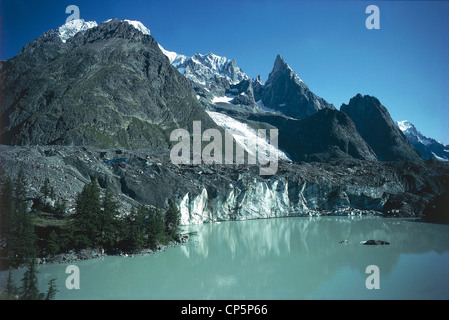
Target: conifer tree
(11, 290)
(107, 220)
(135, 229)
(21, 238)
(88, 207)
(155, 228)
(51, 292)
(52, 243)
(6, 207)
(172, 220)
(29, 288)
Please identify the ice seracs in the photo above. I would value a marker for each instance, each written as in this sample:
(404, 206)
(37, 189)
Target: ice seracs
(72, 27)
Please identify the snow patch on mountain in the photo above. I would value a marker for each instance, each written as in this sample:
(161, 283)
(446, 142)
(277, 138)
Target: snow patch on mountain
(174, 58)
(72, 27)
(439, 158)
(139, 26)
(404, 125)
(227, 98)
(265, 108)
(244, 134)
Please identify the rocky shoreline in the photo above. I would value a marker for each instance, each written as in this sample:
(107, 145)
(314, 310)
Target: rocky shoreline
(74, 256)
(90, 253)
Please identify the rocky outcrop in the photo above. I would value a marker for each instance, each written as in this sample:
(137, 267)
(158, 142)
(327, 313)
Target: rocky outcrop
(374, 243)
(327, 134)
(377, 128)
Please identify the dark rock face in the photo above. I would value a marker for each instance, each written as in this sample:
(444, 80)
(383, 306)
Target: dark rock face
(243, 92)
(284, 91)
(257, 88)
(374, 123)
(326, 135)
(108, 87)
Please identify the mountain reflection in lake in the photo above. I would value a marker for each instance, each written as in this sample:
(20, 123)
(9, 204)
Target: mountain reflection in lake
(285, 258)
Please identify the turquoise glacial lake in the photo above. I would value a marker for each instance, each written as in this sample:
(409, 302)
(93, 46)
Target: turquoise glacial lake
(272, 259)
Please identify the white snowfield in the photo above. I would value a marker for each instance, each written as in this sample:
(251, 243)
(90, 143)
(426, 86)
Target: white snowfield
(243, 134)
(139, 26)
(72, 27)
(227, 98)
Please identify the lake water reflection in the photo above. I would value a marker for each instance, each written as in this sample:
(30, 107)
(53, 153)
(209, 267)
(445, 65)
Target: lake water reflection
(285, 258)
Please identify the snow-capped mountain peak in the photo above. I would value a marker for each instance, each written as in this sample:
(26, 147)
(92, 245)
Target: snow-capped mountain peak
(410, 130)
(201, 68)
(211, 60)
(428, 147)
(406, 125)
(72, 27)
(139, 26)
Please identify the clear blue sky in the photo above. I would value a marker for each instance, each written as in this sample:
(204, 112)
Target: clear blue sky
(405, 64)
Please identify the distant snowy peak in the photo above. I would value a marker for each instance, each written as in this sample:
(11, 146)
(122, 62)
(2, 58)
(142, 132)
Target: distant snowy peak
(139, 26)
(211, 61)
(71, 28)
(202, 68)
(428, 147)
(410, 130)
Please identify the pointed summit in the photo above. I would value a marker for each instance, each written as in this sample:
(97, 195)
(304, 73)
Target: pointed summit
(377, 128)
(284, 91)
(280, 63)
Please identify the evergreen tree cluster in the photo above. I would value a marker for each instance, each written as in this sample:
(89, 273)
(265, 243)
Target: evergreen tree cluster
(17, 234)
(96, 223)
